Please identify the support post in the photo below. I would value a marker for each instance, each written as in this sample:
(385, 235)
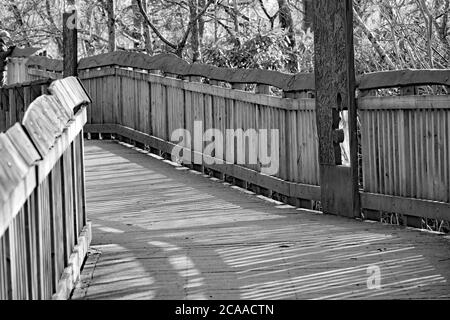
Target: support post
(70, 43)
(335, 92)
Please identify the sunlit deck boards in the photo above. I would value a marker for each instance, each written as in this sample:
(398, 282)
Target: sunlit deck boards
(161, 232)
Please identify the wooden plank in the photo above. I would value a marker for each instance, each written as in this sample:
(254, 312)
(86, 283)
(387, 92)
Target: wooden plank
(43, 240)
(404, 102)
(235, 242)
(31, 238)
(5, 284)
(407, 206)
(366, 143)
(107, 99)
(402, 78)
(12, 107)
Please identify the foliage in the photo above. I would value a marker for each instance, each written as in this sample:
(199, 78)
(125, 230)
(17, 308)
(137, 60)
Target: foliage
(240, 33)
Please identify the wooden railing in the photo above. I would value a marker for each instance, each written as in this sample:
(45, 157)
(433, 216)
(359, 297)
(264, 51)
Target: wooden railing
(405, 143)
(147, 108)
(404, 139)
(15, 99)
(44, 234)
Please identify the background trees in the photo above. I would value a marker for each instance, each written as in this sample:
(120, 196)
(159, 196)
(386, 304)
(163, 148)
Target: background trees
(269, 34)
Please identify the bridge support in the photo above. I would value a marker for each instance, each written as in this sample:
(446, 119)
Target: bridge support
(335, 92)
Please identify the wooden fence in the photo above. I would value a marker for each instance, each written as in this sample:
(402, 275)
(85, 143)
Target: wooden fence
(44, 234)
(404, 138)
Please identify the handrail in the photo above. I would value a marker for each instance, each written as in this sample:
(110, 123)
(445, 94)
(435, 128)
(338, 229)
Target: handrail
(172, 64)
(44, 233)
(26, 147)
(403, 78)
(27, 84)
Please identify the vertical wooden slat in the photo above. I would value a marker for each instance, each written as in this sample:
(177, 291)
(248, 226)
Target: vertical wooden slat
(12, 108)
(447, 153)
(230, 124)
(2, 110)
(412, 152)
(365, 148)
(378, 152)
(44, 241)
(32, 228)
(108, 98)
(418, 141)
(7, 288)
(428, 156)
(300, 147)
(291, 132)
(77, 225)
(67, 204)
(208, 116)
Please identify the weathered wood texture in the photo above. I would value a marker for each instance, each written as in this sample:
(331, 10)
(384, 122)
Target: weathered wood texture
(70, 43)
(288, 82)
(335, 92)
(402, 78)
(42, 210)
(161, 232)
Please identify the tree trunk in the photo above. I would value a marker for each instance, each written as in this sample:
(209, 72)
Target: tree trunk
(58, 37)
(236, 18)
(287, 24)
(137, 23)
(147, 33)
(195, 33)
(308, 15)
(383, 55)
(216, 22)
(111, 25)
(19, 21)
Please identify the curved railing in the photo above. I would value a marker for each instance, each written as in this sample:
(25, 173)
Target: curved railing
(404, 137)
(44, 234)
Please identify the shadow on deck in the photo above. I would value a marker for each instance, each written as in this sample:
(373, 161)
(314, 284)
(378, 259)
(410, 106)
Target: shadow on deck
(164, 232)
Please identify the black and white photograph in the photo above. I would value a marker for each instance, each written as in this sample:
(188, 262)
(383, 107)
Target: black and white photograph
(224, 156)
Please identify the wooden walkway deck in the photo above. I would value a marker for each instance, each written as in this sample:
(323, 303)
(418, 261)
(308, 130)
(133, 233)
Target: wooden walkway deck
(162, 232)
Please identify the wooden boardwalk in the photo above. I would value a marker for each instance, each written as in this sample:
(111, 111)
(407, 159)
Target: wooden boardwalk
(164, 232)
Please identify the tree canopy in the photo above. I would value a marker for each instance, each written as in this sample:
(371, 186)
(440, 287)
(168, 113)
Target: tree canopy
(268, 34)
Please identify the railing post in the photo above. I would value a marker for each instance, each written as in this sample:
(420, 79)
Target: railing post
(335, 92)
(70, 43)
